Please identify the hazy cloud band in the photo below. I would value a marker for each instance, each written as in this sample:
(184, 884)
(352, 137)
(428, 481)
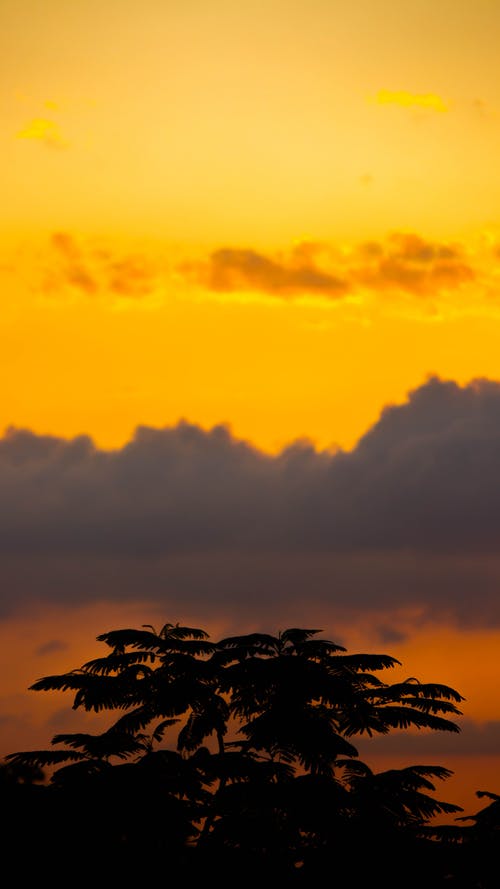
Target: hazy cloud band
(410, 516)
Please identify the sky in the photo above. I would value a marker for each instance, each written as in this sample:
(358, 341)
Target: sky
(250, 327)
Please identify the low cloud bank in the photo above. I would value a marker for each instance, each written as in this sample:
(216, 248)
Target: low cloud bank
(410, 518)
(474, 740)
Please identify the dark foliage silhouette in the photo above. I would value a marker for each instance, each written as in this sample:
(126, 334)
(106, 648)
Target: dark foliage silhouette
(239, 757)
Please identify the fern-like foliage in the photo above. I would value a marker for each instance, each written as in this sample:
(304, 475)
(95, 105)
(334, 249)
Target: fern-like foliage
(243, 744)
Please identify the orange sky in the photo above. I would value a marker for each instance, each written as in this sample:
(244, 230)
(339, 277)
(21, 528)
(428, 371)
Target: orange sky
(278, 216)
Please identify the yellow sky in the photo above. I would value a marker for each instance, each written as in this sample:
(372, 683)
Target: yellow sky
(139, 139)
(101, 335)
(256, 122)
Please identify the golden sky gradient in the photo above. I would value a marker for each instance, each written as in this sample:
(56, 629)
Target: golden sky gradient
(141, 140)
(280, 216)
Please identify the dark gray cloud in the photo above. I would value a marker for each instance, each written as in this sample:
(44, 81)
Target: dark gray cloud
(410, 517)
(53, 645)
(474, 740)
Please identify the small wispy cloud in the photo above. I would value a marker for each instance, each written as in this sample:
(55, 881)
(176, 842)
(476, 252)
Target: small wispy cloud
(78, 269)
(54, 645)
(405, 99)
(407, 263)
(42, 130)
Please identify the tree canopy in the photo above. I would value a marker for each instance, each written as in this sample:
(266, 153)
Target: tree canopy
(241, 753)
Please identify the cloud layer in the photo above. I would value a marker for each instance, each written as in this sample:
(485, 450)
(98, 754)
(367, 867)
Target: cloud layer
(401, 272)
(474, 740)
(403, 263)
(409, 519)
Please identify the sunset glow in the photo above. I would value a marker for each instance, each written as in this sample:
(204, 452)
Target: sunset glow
(250, 248)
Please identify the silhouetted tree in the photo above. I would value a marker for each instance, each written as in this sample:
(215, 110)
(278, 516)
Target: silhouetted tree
(478, 853)
(239, 751)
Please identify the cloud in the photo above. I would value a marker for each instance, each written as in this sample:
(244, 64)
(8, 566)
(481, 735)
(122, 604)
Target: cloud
(53, 645)
(403, 263)
(45, 131)
(89, 271)
(427, 101)
(130, 276)
(230, 269)
(474, 740)
(401, 273)
(72, 266)
(409, 519)
(408, 263)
